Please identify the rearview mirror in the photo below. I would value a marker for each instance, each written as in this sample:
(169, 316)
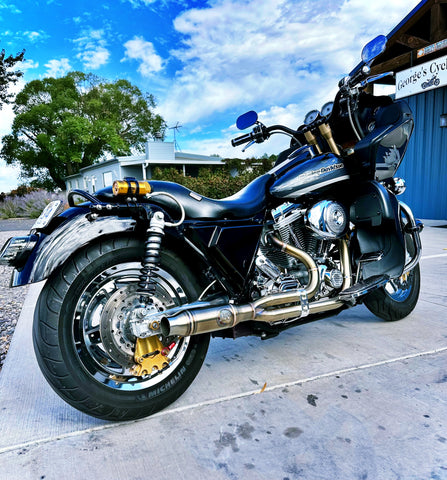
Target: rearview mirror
(374, 48)
(246, 120)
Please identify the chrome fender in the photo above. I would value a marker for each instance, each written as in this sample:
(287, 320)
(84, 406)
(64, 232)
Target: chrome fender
(55, 248)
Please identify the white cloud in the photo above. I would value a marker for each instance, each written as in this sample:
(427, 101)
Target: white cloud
(9, 175)
(92, 49)
(28, 65)
(58, 68)
(34, 36)
(291, 115)
(139, 3)
(94, 58)
(12, 8)
(143, 51)
(237, 55)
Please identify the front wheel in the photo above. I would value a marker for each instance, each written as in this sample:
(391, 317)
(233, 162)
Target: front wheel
(397, 298)
(85, 347)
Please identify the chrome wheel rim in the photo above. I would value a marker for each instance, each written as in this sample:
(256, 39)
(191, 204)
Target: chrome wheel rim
(86, 327)
(399, 289)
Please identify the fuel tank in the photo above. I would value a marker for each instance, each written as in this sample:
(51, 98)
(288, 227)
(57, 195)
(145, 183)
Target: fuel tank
(306, 173)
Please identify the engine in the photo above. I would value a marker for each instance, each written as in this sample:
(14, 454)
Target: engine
(314, 230)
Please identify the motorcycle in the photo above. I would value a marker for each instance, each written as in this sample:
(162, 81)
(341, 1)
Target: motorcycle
(141, 274)
(434, 81)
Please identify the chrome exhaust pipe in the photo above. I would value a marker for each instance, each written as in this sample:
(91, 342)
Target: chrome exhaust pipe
(204, 320)
(195, 321)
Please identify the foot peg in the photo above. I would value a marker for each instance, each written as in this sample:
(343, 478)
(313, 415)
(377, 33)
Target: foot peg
(362, 288)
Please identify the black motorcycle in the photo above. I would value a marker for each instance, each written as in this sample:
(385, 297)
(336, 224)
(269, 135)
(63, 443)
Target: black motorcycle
(140, 274)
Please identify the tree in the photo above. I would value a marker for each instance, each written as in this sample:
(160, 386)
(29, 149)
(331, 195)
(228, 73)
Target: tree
(219, 182)
(65, 124)
(8, 76)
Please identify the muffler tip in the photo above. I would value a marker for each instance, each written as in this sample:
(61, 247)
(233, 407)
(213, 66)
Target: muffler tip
(165, 327)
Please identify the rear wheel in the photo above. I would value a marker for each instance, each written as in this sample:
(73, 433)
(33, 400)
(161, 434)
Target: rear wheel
(84, 344)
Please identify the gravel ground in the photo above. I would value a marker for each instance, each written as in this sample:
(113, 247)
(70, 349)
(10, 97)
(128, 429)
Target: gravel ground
(11, 299)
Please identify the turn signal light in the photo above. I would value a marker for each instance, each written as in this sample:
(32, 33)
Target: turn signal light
(131, 187)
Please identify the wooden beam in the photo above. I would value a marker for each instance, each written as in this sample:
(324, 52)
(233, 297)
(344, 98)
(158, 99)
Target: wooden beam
(411, 22)
(392, 65)
(412, 42)
(438, 23)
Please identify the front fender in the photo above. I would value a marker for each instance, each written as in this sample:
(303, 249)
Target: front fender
(54, 249)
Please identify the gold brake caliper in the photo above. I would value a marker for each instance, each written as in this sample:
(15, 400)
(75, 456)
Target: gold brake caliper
(150, 355)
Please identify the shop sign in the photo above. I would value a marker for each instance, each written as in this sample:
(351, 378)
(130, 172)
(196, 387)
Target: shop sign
(426, 76)
(432, 48)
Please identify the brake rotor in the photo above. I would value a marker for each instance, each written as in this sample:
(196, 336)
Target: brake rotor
(141, 355)
(117, 339)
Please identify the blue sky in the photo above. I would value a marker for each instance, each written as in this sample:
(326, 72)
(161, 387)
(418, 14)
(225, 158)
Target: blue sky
(205, 61)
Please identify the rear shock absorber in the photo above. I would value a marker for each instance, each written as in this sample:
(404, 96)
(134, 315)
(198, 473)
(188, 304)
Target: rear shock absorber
(151, 259)
(152, 245)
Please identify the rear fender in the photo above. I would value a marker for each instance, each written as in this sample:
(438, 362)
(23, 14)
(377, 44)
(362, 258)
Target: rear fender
(54, 249)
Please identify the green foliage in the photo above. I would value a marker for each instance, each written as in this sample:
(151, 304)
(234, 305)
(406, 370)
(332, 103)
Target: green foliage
(65, 124)
(10, 208)
(28, 205)
(8, 76)
(219, 183)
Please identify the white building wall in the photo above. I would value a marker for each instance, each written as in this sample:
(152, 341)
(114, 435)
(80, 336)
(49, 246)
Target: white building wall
(103, 174)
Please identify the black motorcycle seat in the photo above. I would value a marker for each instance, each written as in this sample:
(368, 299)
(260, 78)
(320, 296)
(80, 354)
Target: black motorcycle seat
(247, 202)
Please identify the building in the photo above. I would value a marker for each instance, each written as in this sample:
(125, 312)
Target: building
(157, 154)
(417, 52)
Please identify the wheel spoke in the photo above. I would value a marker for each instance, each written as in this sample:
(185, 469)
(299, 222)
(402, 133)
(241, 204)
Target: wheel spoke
(103, 359)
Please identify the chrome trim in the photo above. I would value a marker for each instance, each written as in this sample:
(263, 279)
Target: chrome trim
(316, 186)
(293, 304)
(414, 232)
(322, 217)
(16, 246)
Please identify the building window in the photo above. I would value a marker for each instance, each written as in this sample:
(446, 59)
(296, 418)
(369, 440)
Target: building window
(107, 178)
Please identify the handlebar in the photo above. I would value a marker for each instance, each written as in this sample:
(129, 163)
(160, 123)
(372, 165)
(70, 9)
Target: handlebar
(260, 133)
(354, 78)
(242, 139)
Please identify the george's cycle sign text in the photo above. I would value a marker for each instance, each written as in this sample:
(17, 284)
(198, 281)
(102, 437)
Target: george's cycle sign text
(423, 77)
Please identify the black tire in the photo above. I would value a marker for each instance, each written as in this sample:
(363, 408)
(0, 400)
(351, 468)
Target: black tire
(398, 298)
(72, 351)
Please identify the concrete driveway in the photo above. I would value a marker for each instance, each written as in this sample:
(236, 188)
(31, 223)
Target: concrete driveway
(350, 397)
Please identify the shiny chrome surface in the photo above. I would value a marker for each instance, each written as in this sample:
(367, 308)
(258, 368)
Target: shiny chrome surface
(291, 305)
(399, 186)
(415, 228)
(66, 239)
(314, 276)
(104, 342)
(327, 219)
(16, 246)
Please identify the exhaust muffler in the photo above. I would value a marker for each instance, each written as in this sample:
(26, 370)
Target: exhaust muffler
(195, 321)
(291, 304)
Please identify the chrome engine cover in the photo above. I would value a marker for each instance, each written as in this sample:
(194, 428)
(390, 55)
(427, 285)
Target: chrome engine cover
(327, 219)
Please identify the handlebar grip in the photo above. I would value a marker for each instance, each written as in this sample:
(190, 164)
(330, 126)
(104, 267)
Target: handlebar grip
(359, 75)
(242, 139)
